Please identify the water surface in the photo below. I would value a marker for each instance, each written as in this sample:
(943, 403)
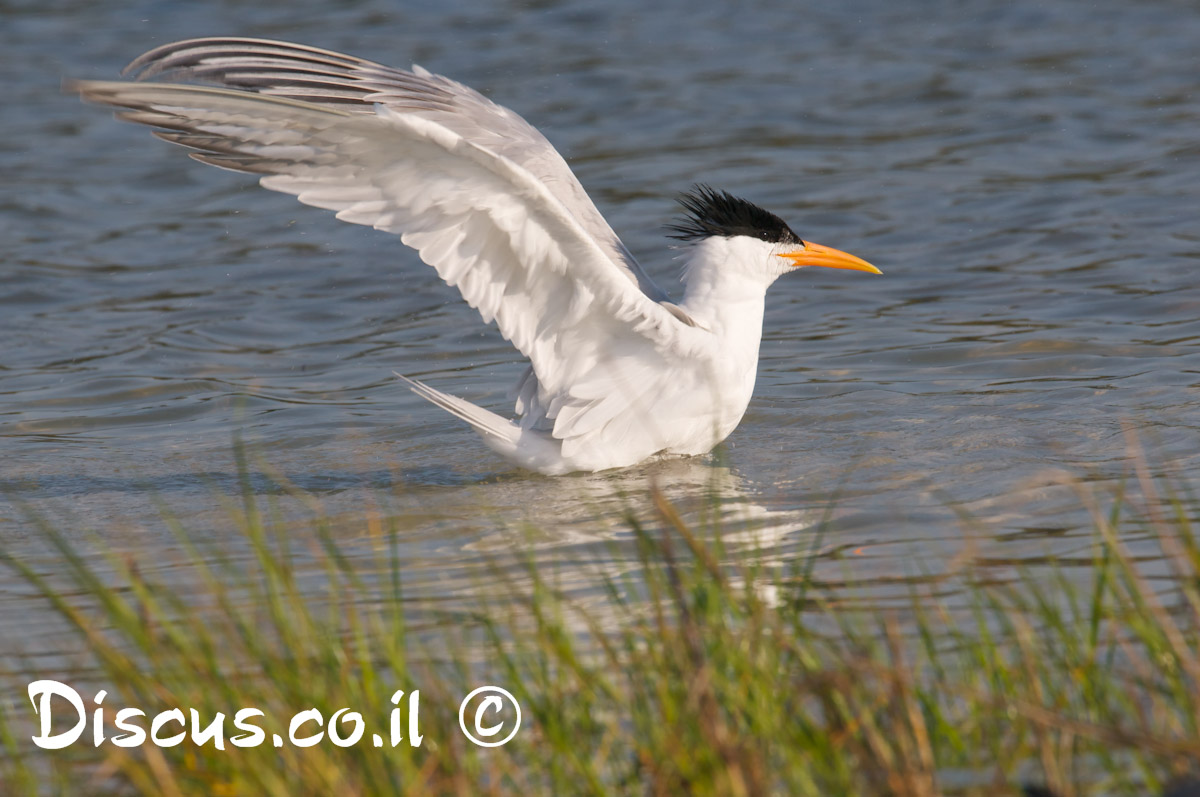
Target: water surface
(1027, 177)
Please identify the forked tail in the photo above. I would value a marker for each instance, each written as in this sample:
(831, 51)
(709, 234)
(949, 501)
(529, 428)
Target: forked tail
(501, 431)
(530, 449)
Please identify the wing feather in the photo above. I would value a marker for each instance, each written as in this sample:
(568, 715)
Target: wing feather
(470, 185)
(312, 74)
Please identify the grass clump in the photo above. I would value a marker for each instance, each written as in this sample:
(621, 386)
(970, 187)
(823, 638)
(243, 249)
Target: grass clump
(696, 671)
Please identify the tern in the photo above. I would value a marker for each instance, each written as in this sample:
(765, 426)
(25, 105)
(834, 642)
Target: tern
(618, 373)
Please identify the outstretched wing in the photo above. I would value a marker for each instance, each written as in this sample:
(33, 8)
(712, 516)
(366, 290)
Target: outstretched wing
(475, 189)
(327, 78)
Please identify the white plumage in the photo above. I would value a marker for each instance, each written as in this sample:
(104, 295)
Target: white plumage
(617, 372)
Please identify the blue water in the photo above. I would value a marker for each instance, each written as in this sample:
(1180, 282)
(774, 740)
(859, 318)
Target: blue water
(1026, 175)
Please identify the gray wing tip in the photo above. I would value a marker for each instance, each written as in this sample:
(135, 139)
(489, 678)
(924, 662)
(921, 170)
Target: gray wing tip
(88, 90)
(185, 53)
(143, 67)
(98, 92)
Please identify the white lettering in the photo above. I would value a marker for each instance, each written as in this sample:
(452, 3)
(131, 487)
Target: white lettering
(312, 715)
(359, 726)
(45, 690)
(215, 730)
(136, 735)
(161, 720)
(256, 735)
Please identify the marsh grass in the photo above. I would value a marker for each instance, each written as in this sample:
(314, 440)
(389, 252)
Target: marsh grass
(698, 670)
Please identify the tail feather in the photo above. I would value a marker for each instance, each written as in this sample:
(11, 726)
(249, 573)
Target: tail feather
(528, 448)
(484, 421)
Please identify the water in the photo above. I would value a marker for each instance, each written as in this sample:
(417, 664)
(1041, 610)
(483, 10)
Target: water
(1026, 175)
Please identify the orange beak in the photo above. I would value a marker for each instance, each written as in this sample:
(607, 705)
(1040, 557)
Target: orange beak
(817, 255)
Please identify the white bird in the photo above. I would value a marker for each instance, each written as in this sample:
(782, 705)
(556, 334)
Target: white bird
(618, 373)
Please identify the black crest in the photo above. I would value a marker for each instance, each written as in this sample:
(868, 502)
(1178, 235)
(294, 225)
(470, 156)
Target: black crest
(711, 212)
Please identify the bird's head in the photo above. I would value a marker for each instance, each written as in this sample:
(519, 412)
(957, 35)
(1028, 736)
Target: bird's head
(752, 238)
